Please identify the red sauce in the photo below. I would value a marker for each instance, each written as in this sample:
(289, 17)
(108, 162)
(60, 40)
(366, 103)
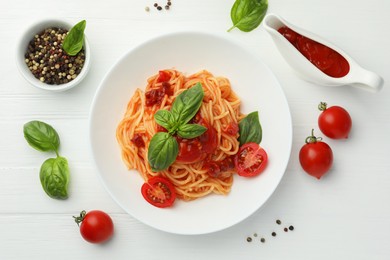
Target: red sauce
(324, 58)
(217, 168)
(198, 148)
(231, 129)
(155, 96)
(138, 140)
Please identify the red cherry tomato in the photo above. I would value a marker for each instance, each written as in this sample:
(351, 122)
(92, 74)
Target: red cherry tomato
(159, 192)
(316, 157)
(96, 226)
(250, 160)
(334, 122)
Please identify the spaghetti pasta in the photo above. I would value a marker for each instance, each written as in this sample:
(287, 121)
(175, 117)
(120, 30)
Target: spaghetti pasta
(212, 171)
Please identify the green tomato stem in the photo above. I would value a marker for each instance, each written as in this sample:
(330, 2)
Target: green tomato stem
(312, 139)
(322, 106)
(80, 218)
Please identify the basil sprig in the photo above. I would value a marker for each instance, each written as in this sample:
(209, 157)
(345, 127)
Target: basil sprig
(54, 172)
(163, 147)
(247, 15)
(73, 42)
(250, 129)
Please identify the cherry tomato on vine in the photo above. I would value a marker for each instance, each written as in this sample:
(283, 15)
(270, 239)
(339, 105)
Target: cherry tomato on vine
(159, 192)
(96, 226)
(335, 122)
(250, 160)
(316, 157)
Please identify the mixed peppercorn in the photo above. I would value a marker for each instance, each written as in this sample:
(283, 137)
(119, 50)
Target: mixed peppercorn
(262, 239)
(159, 7)
(48, 62)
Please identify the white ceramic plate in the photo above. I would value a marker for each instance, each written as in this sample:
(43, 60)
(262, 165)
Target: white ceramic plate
(189, 53)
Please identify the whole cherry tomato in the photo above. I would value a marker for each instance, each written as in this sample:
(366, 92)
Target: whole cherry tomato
(335, 122)
(96, 226)
(316, 157)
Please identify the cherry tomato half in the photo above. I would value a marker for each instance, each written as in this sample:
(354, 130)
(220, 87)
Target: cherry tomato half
(335, 122)
(96, 226)
(159, 192)
(250, 160)
(316, 157)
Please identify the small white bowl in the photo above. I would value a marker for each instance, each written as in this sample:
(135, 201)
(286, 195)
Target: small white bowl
(356, 77)
(28, 35)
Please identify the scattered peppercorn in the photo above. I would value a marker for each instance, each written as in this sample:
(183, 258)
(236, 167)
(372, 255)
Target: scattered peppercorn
(255, 234)
(155, 5)
(291, 228)
(159, 8)
(262, 240)
(249, 239)
(48, 62)
(278, 222)
(285, 229)
(274, 234)
(167, 7)
(147, 9)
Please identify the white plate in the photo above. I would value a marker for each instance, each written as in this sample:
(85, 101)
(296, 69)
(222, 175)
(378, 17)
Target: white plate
(190, 52)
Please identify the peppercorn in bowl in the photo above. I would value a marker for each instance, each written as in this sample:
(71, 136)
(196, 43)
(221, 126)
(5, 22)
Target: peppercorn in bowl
(43, 61)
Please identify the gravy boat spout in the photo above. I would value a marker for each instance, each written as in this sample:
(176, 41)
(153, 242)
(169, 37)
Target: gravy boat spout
(356, 76)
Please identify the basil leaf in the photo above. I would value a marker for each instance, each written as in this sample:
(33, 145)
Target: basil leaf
(41, 136)
(246, 15)
(187, 104)
(190, 131)
(54, 177)
(73, 42)
(250, 129)
(162, 152)
(165, 119)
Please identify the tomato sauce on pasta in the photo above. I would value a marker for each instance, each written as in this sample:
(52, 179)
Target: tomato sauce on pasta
(204, 164)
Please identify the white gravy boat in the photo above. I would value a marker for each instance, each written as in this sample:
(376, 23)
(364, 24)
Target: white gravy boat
(357, 76)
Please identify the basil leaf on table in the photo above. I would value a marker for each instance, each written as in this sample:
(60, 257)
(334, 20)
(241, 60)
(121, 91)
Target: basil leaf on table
(73, 42)
(250, 129)
(247, 15)
(190, 131)
(41, 136)
(187, 104)
(162, 152)
(54, 176)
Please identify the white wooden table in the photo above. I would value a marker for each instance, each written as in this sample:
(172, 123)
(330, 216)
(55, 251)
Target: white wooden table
(345, 215)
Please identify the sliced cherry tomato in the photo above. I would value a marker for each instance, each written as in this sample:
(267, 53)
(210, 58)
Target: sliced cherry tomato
(250, 160)
(335, 122)
(159, 192)
(96, 226)
(316, 157)
(163, 76)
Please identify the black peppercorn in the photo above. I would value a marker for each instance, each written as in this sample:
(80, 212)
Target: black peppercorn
(274, 234)
(262, 240)
(291, 228)
(249, 239)
(278, 222)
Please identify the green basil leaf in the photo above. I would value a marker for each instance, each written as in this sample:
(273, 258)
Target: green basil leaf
(165, 119)
(54, 177)
(247, 15)
(187, 104)
(41, 136)
(162, 152)
(73, 42)
(190, 131)
(250, 129)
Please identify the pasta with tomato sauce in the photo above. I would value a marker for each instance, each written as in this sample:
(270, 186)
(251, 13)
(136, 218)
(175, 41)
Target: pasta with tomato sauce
(204, 164)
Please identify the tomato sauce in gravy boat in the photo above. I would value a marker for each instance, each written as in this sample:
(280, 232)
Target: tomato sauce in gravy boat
(297, 59)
